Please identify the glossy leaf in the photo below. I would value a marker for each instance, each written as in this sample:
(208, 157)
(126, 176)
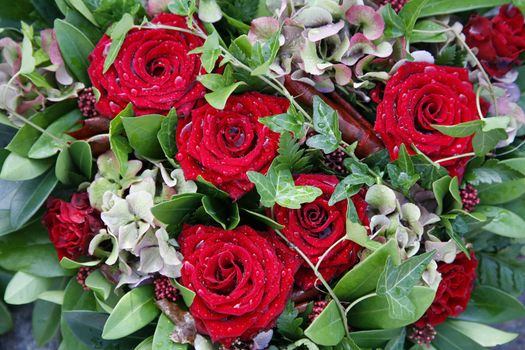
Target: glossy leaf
(99, 284)
(25, 288)
(45, 321)
(75, 48)
(362, 278)
(134, 311)
(503, 222)
(483, 335)
(460, 130)
(172, 212)
(326, 123)
(374, 338)
(142, 134)
(373, 313)
(166, 135)
(18, 168)
(161, 337)
(500, 193)
(445, 7)
(327, 329)
(118, 35)
(448, 338)
(491, 306)
(6, 321)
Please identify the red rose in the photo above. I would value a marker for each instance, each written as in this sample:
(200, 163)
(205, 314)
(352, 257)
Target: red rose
(499, 40)
(153, 71)
(421, 94)
(453, 294)
(316, 226)
(71, 225)
(242, 280)
(222, 145)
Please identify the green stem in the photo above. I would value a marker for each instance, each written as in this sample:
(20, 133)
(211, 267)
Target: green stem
(470, 154)
(320, 278)
(512, 150)
(325, 254)
(357, 301)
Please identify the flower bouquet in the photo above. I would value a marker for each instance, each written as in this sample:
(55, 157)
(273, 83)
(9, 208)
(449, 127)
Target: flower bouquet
(243, 174)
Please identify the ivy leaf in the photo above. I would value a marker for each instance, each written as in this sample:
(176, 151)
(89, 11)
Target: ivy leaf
(484, 142)
(210, 51)
(182, 7)
(118, 35)
(291, 121)
(427, 169)
(289, 324)
(219, 97)
(454, 236)
(265, 54)
(400, 179)
(396, 282)
(265, 186)
(492, 172)
(326, 123)
(404, 162)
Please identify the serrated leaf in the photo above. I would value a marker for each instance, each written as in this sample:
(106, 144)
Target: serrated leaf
(210, 52)
(326, 123)
(289, 324)
(484, 142)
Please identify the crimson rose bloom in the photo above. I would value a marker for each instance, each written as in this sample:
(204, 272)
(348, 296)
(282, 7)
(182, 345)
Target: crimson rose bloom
(153, 71)
(317, 226)
(71, 225)
(242, 280)
(418, 95)
(499, 40)
(454, 290)
(222, 145)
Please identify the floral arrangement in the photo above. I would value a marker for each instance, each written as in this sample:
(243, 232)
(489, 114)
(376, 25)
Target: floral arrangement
(296, 174)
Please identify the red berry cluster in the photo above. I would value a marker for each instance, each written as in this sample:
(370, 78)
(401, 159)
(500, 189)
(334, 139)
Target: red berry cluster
(335, 161)
(86, 103)
(423, 335)
(469, 197)
(164, 289)
(397, 5)
(319, 306)
(82, 274)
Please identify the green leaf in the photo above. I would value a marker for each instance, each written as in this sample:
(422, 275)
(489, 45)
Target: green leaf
(448, 338)
(394, 26)
(142, 134)
(460, 130)
(452, 56)
(118, 35)
(500, 193)
(265, 54)
(491, 172)
(161, 338)
(265, 187)
(289, 324)
(28, 62)
(428, 170)
(99, 284)
(166, 135)
(22, 200)
(454, 236)
(27, 135)
(74, 163)
(290, 121)
(362, 278)
(293, 196)
(374, 338)
(69, 264)
(25, 288)
(45, 321)
(502, 269)
(445, 7)
(218, 98)
(111, 11)
(134, 311)
(326, 123)
(172, 212)
(263, 219)
(53, 296)
(75, 48)
(484, 142)
(6, 321)
(373, 313)
(490, 305)
(224, 213)
(187, 294)
(517, 164)
(81, 154)
(47, 146)
(401, 180)
(18, 168)
(146, 344)
(29, 250)
(483, 335)
(396, 283)
(293, 157)
(81, 7)
(327, 329)
(210, 52)
(397, 343)
(503, 222)
(404, 162)
(119, 144)
(410, 13)
(209, 11)
(428, 26)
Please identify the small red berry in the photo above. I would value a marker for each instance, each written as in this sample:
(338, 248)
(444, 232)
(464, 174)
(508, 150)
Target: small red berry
(469, 197)
(164, 289)
(87, 102)
(319, 306)
(423, 335)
